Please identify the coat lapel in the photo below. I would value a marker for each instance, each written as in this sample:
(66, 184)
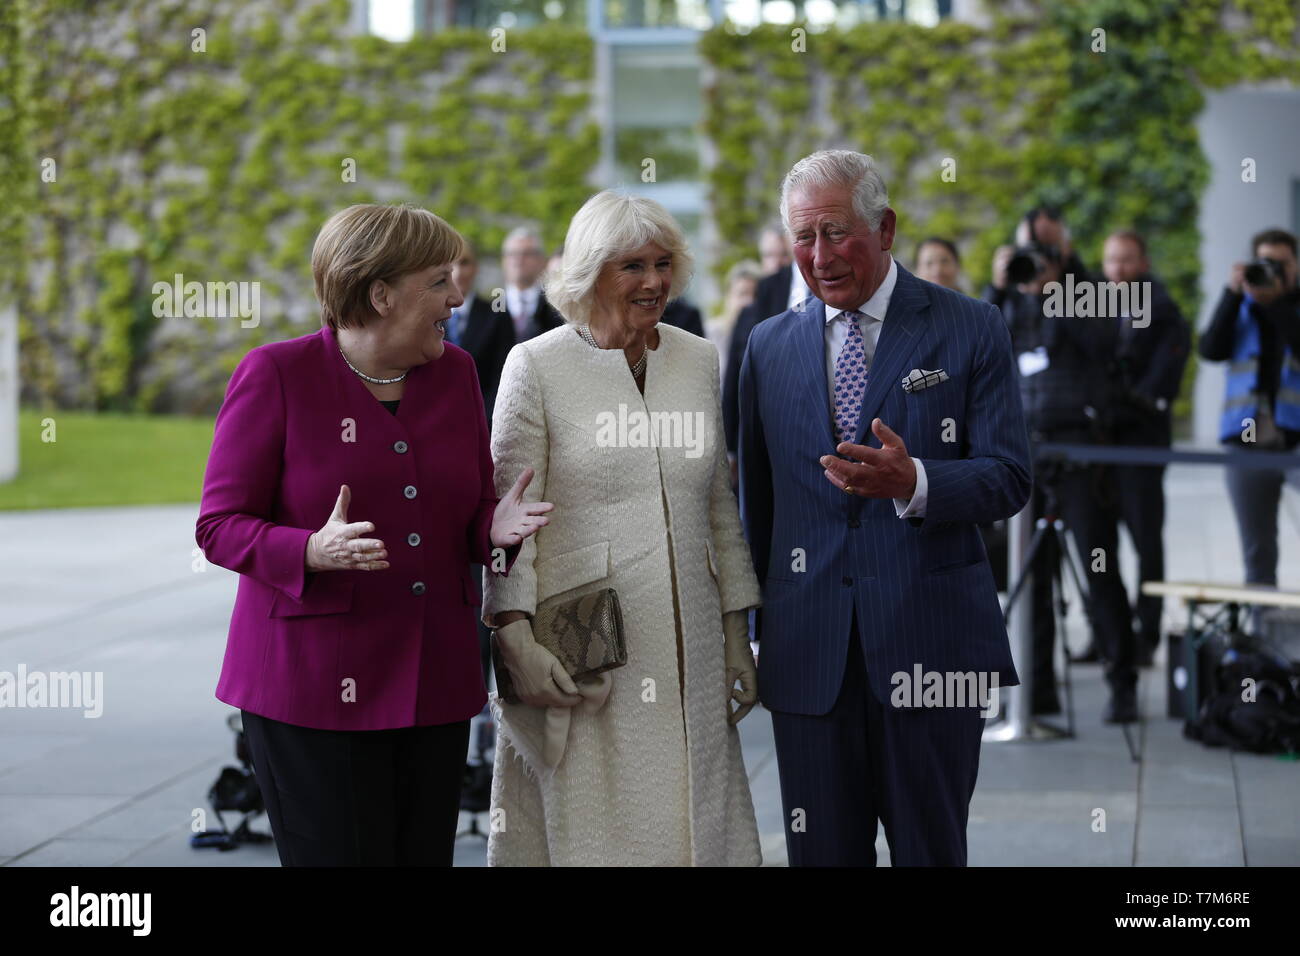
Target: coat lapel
(900, 337)
(477, 326)
(810, 352)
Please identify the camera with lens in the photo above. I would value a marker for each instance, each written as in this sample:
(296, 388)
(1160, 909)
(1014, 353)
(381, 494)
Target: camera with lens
(1032, 260)
(1263, 272)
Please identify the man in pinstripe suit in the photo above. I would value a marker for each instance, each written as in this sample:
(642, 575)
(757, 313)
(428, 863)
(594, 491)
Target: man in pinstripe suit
(865, 534)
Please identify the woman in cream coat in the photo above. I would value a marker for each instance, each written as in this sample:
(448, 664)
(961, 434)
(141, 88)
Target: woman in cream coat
(643, 765)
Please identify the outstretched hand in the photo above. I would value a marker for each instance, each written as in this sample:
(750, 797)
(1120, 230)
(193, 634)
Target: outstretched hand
(516, 519)
(884, 472)
(338, 545)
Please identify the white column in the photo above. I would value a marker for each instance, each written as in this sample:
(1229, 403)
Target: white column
(8, 393)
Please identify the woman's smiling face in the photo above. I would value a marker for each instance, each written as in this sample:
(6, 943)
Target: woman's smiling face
(632, 290)
(414, 310)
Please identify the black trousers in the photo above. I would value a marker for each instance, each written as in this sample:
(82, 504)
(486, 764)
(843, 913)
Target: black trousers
(1088, 500)
(865, 763)
(1142, 507)
(360, 797)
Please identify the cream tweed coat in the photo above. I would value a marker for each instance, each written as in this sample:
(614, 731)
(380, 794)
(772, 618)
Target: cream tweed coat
(656, 777)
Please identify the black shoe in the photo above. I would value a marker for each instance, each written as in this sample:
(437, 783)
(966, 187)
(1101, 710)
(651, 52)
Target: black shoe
(1089, 655)
(1046, 704)
(1122, 708)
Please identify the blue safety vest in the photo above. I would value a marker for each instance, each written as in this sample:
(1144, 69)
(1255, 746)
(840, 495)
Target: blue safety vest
(1242, 389)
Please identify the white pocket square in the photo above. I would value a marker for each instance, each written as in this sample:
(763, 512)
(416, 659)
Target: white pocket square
(918, 379)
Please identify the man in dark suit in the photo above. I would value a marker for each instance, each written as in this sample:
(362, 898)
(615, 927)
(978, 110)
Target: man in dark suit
(486, 334)
(1149, 360)
(523, 262)
(684, 316)
(783, 289)
(862, 500)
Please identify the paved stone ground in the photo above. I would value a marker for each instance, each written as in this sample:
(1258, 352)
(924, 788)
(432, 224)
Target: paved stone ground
(113, 590)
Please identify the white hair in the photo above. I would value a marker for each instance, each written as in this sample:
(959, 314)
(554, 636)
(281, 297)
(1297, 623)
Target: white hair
(839, 167)
(524, 232)
(612, 224)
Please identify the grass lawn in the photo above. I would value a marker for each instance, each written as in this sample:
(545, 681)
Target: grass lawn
(101, 460)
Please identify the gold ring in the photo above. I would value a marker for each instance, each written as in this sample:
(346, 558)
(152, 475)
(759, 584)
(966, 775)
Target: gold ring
(848, 489)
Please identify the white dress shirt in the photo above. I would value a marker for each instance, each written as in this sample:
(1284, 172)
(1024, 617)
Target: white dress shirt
(798, 288)
(522, 305)
(872, 321)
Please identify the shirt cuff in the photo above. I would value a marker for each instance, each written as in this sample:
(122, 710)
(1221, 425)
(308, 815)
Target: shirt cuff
(916, 507)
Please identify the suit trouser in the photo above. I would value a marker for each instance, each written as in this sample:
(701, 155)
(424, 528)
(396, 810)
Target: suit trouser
(1256, 494)
(914, 770)
(1088, 502)
(360, 797)
(1142, 507)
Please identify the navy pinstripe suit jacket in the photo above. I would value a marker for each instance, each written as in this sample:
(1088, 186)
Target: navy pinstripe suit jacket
(922, 587)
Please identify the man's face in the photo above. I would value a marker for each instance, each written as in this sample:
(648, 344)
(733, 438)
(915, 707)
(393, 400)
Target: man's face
(773, 251)
(842, 259)
(1279, 252)
(522, 262)
(1051, 232)
(464, 272)
(1122, 260)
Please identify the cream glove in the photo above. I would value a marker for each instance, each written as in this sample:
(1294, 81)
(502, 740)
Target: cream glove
(540, 679)
(740, 665)
(550, 686)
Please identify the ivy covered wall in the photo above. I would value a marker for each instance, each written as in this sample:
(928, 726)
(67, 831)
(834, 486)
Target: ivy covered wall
(1026, 107)
(221, 165)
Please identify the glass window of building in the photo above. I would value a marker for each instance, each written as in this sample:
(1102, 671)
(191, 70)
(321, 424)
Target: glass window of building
(823, 14)
(398, 19)
(655, 109)
(391, 19)
(632, 14)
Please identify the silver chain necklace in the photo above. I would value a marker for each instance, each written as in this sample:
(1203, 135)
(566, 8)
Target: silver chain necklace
(637, 368)
(371, 379)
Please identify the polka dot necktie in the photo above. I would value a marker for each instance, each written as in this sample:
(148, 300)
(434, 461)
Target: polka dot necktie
(850, 380)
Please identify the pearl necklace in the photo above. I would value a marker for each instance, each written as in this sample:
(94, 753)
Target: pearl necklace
(370, 379)
(637, 368)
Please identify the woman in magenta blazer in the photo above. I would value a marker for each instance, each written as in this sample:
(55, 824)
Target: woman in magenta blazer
(350, 484)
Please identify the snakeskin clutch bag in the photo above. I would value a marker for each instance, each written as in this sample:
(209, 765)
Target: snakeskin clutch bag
(585, 635)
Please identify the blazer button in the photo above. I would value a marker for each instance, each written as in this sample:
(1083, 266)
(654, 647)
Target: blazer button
(413, 539)
(409, 491)
(847, 582)
(854, 523)
(400, 447)
(417, 588)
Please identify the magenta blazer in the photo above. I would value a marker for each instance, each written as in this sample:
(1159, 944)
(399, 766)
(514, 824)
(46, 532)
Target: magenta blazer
(350, 650)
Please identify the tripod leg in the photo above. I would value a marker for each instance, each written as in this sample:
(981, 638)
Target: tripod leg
(1034, 543)
(1062, 607)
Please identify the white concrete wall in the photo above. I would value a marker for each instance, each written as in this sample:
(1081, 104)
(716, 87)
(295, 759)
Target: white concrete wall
(1264, 125)
(8, 393)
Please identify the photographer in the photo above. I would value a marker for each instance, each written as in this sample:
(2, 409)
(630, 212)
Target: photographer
(1149, 364)
(1065, 367)
(1256, 328)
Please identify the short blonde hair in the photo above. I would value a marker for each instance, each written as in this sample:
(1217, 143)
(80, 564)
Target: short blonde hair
(612, 224)
(366, 242)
